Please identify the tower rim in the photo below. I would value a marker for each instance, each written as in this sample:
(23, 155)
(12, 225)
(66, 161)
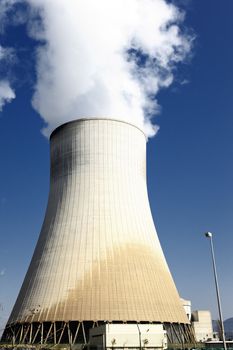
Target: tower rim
(60, 127)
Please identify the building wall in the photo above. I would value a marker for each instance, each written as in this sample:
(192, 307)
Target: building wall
(137, 336)
(202, 323)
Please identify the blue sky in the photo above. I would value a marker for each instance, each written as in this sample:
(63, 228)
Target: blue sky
(190, 167)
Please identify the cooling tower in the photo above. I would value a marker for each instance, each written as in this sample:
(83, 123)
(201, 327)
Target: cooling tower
(98, 258)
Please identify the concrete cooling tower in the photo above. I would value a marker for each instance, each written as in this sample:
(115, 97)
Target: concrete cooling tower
(98, 258)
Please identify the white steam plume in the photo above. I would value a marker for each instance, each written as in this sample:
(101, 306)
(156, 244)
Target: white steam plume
(104, 58)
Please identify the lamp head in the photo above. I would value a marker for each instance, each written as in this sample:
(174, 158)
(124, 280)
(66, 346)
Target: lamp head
(208, 234)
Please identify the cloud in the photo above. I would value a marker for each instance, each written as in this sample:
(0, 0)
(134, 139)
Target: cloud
(6, 93)
(2, 53)
(184, 82)
(5, 6)
(2, 272)
(6, 56)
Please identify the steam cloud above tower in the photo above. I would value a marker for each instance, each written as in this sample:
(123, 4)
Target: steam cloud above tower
(103, 58)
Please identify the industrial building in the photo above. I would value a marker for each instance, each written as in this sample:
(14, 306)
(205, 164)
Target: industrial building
(152, 336)
(202, 324)
(98, 260)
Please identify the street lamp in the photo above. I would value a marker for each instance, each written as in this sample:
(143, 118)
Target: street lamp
(210, 236)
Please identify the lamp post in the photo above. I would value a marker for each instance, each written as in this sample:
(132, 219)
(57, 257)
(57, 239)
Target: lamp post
(210, 236)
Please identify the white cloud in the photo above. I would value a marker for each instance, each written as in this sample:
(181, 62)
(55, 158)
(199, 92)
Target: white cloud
(184, 82)
(5, 5)
(2, 272)
(6, 93)
(6, 55)
(2, 53)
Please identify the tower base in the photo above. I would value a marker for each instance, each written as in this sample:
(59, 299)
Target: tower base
(73, 333)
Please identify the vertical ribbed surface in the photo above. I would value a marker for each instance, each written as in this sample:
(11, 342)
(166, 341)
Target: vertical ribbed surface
(98, 256)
